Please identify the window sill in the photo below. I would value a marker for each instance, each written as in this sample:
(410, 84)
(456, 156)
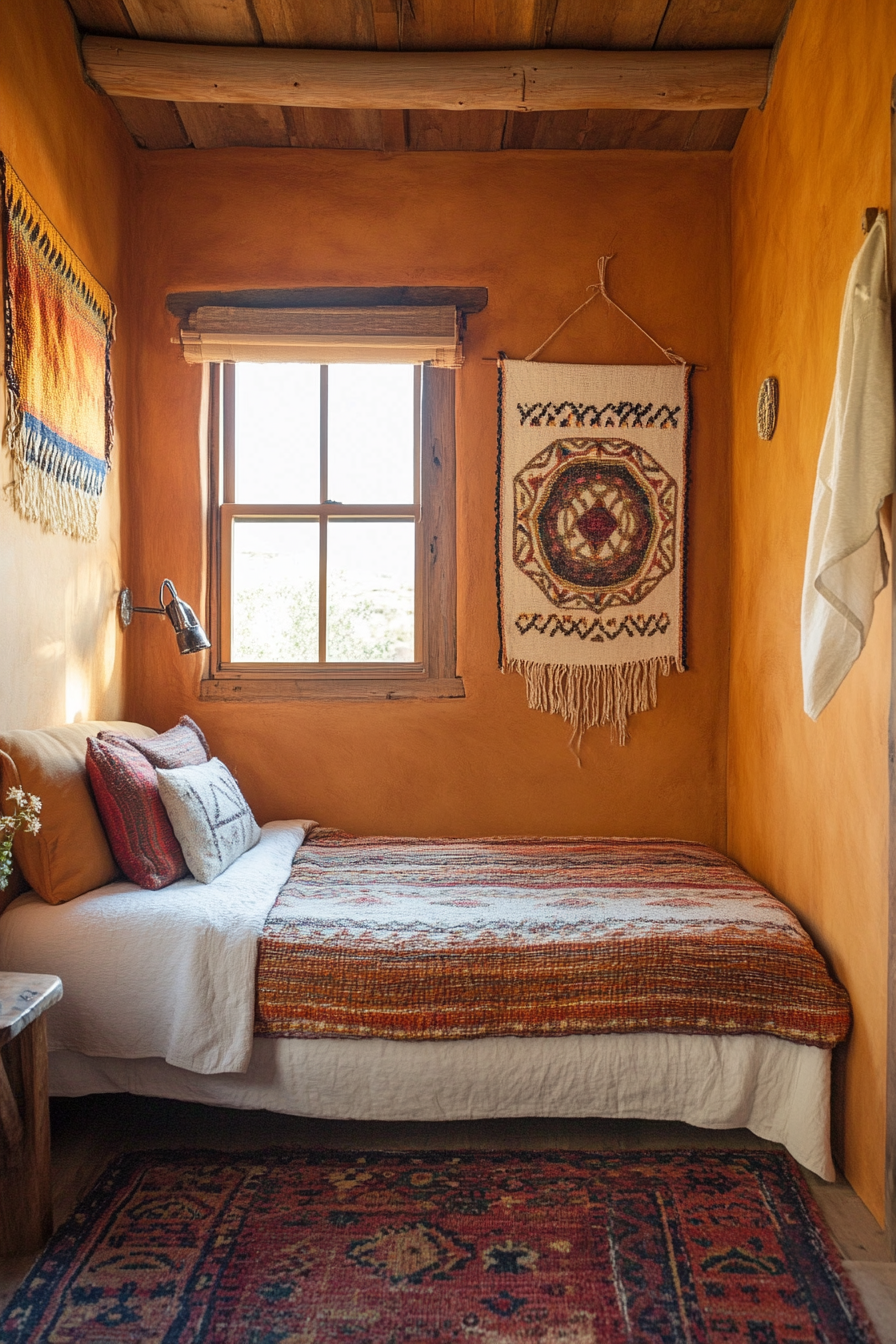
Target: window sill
(360, 689)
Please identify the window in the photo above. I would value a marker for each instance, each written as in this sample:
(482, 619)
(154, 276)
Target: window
(321, 529)
(332, 534)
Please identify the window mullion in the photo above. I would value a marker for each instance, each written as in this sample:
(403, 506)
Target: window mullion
(228, 380)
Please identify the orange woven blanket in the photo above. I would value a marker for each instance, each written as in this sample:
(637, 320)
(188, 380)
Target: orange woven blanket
(445, 939)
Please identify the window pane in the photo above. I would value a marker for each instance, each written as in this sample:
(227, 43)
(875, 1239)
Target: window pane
(370, 591)
(277, 433)
(371, 433)
(274, 616)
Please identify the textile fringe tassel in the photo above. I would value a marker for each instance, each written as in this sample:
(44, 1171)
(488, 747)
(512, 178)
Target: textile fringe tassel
(587, 697)
(46, 488)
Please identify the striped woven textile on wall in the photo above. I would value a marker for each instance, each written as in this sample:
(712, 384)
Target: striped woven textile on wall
(448, 939)
(59, 327)
(591, 544)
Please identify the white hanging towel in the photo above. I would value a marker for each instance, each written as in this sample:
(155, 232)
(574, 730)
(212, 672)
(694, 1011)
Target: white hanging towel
(846, 564)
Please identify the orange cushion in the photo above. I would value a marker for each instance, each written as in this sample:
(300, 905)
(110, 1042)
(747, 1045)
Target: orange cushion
(70, 853)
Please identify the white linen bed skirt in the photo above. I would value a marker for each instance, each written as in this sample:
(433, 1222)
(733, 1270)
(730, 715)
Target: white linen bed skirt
(777, 1089)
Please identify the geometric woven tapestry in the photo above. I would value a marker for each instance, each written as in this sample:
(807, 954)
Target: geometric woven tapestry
(59, 326)
(288, 1247)
(591, 522)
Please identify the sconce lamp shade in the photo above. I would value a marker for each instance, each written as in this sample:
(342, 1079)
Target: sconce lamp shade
(191, 638)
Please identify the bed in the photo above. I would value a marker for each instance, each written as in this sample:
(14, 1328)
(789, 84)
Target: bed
(347, 977)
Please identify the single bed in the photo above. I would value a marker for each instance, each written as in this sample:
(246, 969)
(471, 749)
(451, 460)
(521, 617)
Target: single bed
(402, 979)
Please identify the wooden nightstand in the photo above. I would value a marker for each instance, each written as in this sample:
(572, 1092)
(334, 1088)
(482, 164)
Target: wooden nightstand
(26, 1198)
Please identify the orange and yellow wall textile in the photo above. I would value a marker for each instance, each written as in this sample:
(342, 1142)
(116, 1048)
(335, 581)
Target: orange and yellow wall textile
(59, 323)
(61, 646)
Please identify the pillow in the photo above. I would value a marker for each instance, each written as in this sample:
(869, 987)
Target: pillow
(70, 853)
(183, 744)
(132, 812)
(209, 816)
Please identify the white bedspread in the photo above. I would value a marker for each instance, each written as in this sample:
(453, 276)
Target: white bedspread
(777, 1089)
(164, 974)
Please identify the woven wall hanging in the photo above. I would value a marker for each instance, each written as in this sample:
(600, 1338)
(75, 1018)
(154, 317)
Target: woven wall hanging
(59, 327)
(591, 533)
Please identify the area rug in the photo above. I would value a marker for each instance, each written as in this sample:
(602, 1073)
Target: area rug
(283, 1247)
(59, 323)
(591, 544)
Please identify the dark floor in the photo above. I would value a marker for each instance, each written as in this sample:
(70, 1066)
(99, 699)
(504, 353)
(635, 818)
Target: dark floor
(88, 1131)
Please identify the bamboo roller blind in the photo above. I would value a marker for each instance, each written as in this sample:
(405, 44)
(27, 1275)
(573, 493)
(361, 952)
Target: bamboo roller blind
(420, 335)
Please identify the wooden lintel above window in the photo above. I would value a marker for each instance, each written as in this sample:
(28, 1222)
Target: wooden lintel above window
(466, 299)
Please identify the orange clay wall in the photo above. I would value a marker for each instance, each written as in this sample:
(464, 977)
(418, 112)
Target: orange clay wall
(60, 650)
(530, 227)
(808, 801)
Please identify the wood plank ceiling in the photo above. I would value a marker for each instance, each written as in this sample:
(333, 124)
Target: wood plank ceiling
(433, 25)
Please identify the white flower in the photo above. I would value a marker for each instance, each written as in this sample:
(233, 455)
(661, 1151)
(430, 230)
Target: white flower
(25, 817)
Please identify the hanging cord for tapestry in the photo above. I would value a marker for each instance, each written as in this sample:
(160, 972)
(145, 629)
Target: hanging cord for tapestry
(600, 291)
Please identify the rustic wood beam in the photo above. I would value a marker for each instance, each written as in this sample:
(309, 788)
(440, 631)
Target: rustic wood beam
(519, 81)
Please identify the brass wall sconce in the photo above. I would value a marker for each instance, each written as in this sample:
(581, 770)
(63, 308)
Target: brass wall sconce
(191, 638)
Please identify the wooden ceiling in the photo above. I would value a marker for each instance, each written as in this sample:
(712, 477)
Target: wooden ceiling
(433, 25)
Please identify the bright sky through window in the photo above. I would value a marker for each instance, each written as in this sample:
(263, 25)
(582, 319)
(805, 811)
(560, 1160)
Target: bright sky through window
(371, 433)
(277, 433)
(327, 587)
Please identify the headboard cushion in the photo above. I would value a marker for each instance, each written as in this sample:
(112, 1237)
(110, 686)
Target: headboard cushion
(70, 853)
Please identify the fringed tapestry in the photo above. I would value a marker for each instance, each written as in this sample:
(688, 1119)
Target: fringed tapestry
(59, 327)
(591, 544)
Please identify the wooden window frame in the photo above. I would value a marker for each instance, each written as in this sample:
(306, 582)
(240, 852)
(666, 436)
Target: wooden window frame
(322, 513)
(434, 675)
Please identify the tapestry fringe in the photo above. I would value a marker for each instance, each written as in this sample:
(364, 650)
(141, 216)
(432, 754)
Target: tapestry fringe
(587, 696)
(47, 487)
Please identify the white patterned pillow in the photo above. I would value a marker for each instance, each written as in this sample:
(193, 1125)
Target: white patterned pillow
(209, 816)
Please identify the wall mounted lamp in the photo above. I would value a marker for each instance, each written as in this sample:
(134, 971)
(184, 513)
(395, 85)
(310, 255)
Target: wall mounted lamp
(191, 638)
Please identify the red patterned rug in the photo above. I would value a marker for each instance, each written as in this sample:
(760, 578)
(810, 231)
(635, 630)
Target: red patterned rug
(280, 1247)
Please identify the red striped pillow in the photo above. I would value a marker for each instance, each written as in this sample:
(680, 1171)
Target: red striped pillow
(184, 744)
(134, 818)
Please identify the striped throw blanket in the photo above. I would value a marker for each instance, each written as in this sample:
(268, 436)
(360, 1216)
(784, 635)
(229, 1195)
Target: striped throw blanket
(445, 939)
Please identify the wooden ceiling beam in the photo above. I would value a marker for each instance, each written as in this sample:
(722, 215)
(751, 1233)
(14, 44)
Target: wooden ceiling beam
(518, 81)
